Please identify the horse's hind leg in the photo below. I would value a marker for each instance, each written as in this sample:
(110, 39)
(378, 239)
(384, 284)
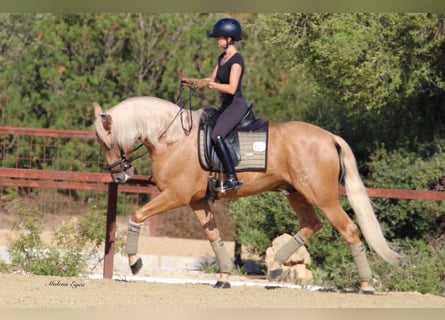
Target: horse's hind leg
(309, 224)
(205, 216)
(350, 232)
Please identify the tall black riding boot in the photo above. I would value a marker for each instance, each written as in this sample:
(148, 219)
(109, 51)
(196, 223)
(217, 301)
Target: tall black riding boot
(231, 183)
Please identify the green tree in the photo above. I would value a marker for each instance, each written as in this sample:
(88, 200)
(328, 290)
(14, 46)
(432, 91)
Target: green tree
(367, 60)
(380, 77)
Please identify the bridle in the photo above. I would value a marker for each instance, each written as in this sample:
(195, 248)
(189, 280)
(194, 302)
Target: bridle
(124, 162)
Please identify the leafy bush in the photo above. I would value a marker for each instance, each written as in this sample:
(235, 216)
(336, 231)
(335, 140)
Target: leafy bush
(73, 244)
(409, 218)
(30, 254)
(261, 218)
(421, 270)
(4, 267)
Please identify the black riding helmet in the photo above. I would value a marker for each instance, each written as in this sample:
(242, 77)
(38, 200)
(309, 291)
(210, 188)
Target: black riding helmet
(227, 27)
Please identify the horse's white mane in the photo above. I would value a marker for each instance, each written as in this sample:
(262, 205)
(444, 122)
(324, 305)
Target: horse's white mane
(146, 118)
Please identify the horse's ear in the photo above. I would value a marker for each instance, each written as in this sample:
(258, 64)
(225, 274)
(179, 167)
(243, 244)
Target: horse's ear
(97, 109)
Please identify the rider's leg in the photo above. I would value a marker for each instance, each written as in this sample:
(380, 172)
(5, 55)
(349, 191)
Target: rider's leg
(232, 182)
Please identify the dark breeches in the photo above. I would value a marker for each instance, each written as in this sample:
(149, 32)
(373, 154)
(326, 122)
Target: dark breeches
(229, 118)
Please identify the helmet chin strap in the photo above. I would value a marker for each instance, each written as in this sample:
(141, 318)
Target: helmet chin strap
(228, 42)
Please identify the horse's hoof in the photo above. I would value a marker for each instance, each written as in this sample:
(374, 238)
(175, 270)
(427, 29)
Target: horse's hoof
(136, 267)
(221, 285)
(274, 274)
(367, 289)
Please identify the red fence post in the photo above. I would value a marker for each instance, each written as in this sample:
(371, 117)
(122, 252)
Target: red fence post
(110, 231)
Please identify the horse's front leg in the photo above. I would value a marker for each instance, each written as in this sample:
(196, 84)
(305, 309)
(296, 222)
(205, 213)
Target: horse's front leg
(163, 202)
(205, 216)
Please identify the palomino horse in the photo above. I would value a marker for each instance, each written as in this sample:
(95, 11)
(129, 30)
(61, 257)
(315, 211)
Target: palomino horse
(303, 161)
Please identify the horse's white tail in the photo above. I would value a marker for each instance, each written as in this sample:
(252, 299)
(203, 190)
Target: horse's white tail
(361, 204)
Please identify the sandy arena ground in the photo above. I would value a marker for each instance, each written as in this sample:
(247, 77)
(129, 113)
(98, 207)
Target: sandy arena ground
(30, 291)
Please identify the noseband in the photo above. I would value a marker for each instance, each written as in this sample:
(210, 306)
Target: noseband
(124, 162)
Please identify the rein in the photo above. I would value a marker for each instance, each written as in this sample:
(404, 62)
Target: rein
(180, 103)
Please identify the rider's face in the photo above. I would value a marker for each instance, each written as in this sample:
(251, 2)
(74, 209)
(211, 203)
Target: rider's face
(222, 42)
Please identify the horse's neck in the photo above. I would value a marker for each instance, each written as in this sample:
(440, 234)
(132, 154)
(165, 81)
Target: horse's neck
(161, 125)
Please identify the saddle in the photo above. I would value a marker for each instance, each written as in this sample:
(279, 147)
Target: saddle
(247, 142)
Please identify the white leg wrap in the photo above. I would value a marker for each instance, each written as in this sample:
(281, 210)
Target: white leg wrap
(290, 247)
(222, 257)
(134, 229)
(361, 261)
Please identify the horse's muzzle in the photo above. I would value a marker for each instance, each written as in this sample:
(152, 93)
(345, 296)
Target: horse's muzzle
(123, 175)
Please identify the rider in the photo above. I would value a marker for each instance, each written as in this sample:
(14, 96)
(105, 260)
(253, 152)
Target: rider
(226, 78)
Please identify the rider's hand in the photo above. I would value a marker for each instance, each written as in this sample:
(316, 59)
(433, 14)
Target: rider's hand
(197, 83)
(202, 83)
(187, 81)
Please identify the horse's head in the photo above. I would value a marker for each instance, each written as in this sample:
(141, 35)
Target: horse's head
(118, 163)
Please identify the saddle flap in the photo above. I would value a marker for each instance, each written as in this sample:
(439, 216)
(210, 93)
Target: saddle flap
(211, 157)
(250, 127)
